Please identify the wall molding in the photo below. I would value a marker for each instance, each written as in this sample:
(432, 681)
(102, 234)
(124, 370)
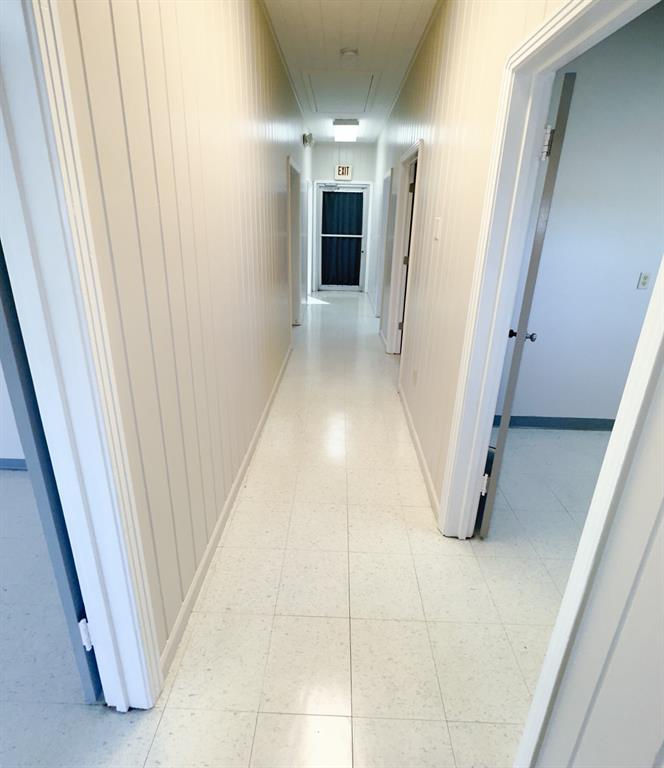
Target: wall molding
(558, 422)
(180, 624)
(14, 465)
(428, 482)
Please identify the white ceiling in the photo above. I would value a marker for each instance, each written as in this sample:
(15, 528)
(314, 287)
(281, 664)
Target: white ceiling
(311, 34)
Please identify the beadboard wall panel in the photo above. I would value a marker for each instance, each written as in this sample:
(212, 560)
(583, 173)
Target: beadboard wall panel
(450, 100)
(183, 117)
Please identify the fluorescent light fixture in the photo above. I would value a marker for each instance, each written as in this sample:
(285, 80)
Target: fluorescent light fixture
(346, 130)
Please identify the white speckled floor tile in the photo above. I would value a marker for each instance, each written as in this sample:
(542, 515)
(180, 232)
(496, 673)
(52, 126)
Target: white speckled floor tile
(314, 583)
(388, 743)
(529, 644)
(373, 487)
(42, 735)
(308, 670)
(485, 745)
(426, 539)
(325, 485)
(383, 587)
(302, 741)
(559, 571)
(202, 739)
(478, 673)
(319, 526)
(258, 525)
(222, 666)
(454, 589)
(242, 581)
(522, 590)
(377, 529)
(393, 671)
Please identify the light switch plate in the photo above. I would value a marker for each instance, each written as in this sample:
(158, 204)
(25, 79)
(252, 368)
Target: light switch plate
(644, 279)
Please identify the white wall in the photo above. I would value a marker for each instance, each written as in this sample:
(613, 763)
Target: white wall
(10, 444)
(184, 118)
(609, 708)
(450, 100)
(605, 227)
(327, 155)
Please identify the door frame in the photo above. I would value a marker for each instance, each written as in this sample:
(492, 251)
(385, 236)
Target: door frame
(403, 229)
(294, 279)
(524, 103)
(45, 234)
(503, 241)
(367, 188)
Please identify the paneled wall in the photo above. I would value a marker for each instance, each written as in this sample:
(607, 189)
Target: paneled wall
(184, 118)
(450, 100)
(327, 155)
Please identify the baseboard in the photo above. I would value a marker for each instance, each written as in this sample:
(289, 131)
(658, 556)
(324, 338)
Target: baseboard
(16, 465)
(559, 422)
(184, 613)
(372, 304)
(428, 482)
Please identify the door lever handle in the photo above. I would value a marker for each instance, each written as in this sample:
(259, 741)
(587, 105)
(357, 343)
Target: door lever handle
(529, 336)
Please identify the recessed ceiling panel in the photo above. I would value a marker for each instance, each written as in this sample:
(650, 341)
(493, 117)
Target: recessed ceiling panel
(341, 92)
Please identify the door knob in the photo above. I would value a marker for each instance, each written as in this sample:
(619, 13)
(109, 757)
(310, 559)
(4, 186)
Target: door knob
(512, 333)
(531, 336)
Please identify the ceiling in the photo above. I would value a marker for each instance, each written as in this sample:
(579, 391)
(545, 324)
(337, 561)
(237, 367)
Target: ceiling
(311, 34)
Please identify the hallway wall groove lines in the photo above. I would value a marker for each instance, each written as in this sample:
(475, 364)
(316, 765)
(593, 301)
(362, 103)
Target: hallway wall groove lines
(183, 117)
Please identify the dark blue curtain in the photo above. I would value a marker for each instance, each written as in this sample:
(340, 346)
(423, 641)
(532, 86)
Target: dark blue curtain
(342, 213)
(341, 256)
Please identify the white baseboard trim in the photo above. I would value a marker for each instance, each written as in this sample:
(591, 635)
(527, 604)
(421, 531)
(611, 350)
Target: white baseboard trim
(372, 303)
(431, 489)
(184, 613)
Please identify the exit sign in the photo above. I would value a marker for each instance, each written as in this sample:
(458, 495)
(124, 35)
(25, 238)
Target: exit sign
(343, 173)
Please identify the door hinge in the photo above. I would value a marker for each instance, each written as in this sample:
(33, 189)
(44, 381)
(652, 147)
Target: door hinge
(406, 259)
(400, 326)
(549, 133)
(84, 629)
(485, 485)
(411, 186)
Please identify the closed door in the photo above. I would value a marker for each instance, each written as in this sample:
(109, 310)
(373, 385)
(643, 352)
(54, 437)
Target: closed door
(342, 238)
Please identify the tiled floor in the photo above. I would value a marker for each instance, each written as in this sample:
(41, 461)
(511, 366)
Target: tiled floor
(36, 660)
(337, 627)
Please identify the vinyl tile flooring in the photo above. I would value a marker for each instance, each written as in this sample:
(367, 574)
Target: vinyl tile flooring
(337, 627)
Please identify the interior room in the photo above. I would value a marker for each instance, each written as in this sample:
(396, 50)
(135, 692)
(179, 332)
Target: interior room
(602, 248)
(38, 665)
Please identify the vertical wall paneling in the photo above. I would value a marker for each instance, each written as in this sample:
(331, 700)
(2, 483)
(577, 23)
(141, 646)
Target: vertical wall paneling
(450, 100)
(184, 117)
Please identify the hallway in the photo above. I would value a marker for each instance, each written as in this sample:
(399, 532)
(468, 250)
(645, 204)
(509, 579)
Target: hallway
(333, 595)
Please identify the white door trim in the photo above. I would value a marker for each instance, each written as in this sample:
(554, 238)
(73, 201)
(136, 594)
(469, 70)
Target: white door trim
(294, 280)
(44, 231)
(402, 230)
(363, 187)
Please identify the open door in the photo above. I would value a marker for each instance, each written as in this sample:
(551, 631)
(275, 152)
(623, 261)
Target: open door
(295, 242)
(410, 207)
(28, 421)
(522, 334)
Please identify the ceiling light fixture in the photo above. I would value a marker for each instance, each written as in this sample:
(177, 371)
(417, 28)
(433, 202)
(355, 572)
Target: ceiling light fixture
(346, 130)
(348, 57)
